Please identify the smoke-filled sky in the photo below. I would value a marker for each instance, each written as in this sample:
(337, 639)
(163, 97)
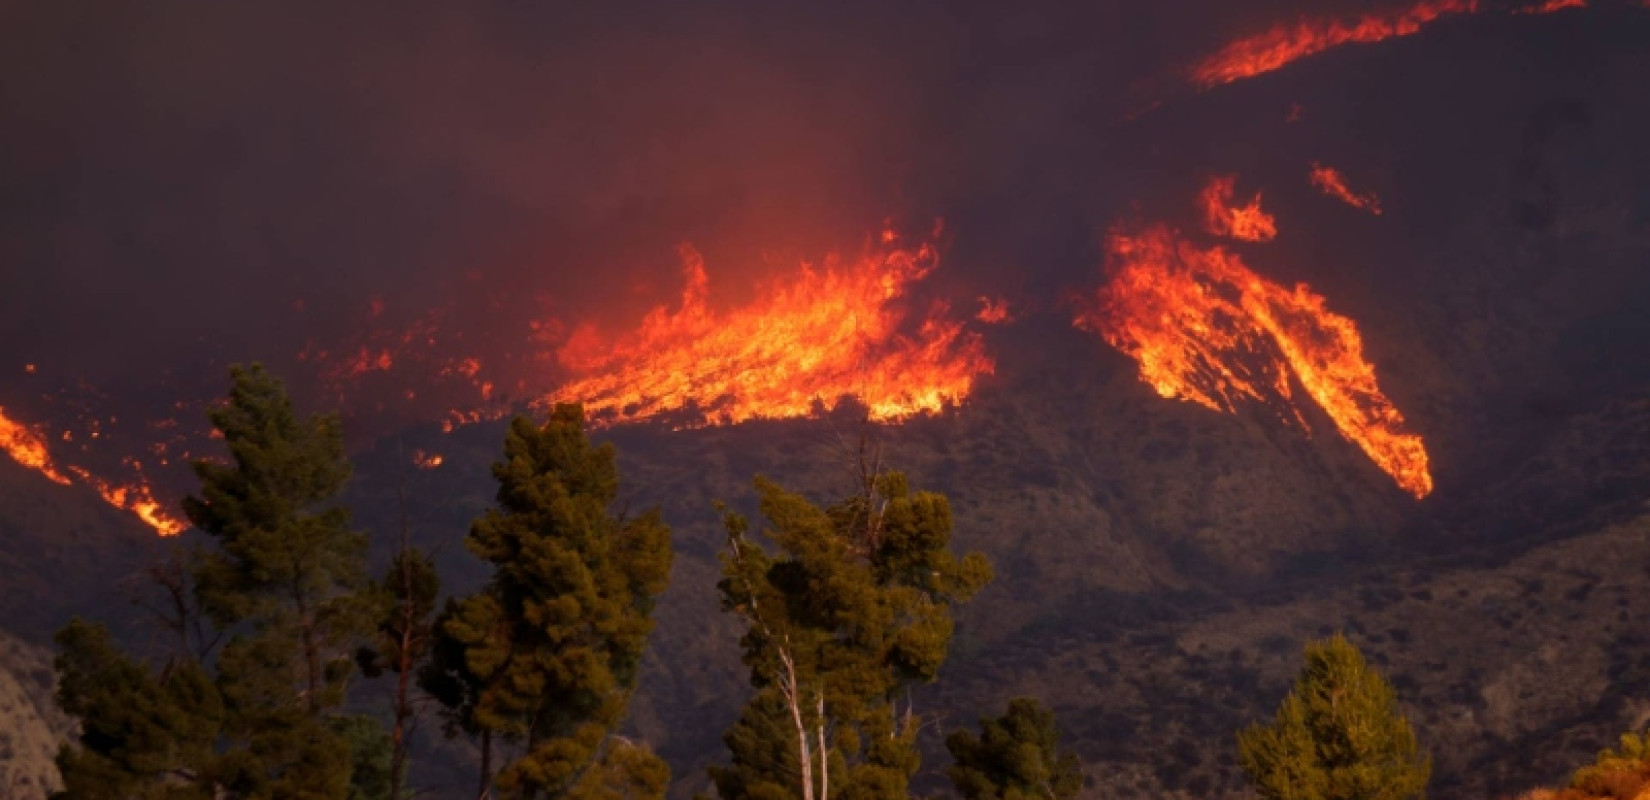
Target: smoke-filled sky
(191, 184)
(180, 170)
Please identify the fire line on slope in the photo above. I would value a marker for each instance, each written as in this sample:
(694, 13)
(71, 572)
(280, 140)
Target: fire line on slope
(829, 332)
(1206, 328)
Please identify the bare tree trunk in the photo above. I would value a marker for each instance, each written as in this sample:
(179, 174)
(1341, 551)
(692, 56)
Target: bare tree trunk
(312, 651)
(824, 752)
(787, 686)
(804, 758)
(398, 752)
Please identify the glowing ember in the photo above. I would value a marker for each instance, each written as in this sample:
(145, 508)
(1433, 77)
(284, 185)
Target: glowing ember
(1290, 42)
(1207, 329)
(1222, 218)
(827, 333)
(424, 460)
(994, 311)
(1330, 181)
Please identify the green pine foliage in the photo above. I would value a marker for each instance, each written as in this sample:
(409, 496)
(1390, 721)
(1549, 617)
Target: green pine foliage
(547, 654)
(401, 641)
(852, 611)
(1016, 757)
(142, 735)
(284, 584)
(1339, 735)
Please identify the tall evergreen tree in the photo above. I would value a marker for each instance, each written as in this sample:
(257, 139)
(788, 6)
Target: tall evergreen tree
(287, 561)
(259, 720)
(1016, 757)
(853, 610)
(1338, 735)
(401, 643)
(547, 654)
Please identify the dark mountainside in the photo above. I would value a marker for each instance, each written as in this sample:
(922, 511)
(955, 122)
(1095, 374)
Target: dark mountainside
(1159, 564)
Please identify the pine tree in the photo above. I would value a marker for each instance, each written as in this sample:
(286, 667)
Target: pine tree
(1015, 757)
(853, 610)
(141, 735)
(401, 643)
(1338, 735)
(289, 574)
(286, 560)
(259, 719)
(547, 654)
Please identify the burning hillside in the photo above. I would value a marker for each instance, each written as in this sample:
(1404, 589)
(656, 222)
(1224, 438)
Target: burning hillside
(1206, 328)
(29, 449)
(841, 329)
(1307, 36)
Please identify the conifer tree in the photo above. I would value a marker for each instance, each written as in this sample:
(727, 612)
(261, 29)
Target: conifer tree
(547, 654)
(258, 720)
(1338, 735)
(141, 735)
(853, 610)
(286, 561)
(1015, 757)
(401, 643)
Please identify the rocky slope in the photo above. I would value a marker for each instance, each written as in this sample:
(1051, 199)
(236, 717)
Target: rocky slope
(31, 727)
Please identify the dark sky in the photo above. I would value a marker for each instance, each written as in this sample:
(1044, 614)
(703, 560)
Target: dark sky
(176, 170)
(189, 184)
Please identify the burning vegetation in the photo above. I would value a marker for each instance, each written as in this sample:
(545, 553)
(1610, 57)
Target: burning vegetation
(829, 332)
(29, 449)
(1331, 182)
(1206, 328)
(1288, 42)
(1221, 217)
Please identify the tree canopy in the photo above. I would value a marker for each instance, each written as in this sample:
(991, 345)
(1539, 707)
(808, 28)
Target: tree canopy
(547, 654)
(1338, 735)
(1016, 757)
(853, 609)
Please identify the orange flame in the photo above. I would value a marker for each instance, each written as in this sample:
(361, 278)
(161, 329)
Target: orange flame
(1290, 42)
(1222, 218)
(1330, 181)
(136, 498)
(29, 449)
(825, 334)
(994, 311)
(1550, 6)
(1205, 328)
(424, 460)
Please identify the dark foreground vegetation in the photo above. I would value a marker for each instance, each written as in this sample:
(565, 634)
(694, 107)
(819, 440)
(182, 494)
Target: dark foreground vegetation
(268, 630)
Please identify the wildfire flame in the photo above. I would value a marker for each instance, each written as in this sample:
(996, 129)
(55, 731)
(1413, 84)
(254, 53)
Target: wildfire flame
(28, 449)
(1248, 222)
(136, 498)
(1207, 329)
(994, 311)
(1290, 42)
(1330, 181)
(1550, 6)
(424, 460)
(827, 333)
